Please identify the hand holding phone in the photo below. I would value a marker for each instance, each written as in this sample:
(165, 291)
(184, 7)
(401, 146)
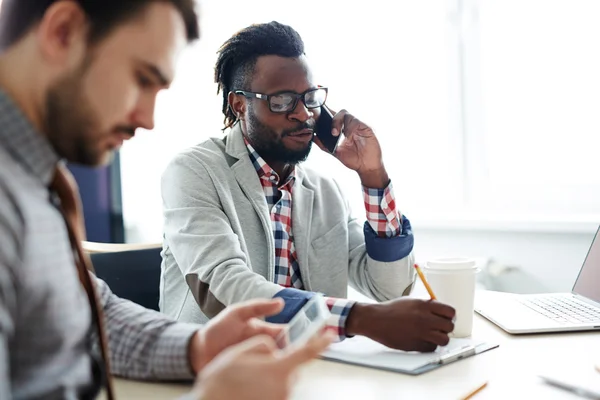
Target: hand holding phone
(323, 130)
(307, 323)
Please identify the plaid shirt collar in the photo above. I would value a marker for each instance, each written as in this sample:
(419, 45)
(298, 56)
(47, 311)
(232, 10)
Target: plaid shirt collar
(265, 172)
(18, 135)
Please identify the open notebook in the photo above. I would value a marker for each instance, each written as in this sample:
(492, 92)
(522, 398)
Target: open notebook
(363, 351)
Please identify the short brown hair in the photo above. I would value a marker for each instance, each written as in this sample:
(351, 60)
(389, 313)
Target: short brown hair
(17, 17)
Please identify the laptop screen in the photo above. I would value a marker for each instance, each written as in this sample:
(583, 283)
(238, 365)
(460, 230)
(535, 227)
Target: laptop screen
(588, 281)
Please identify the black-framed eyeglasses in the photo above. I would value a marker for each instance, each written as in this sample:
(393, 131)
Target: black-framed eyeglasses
(286, 102)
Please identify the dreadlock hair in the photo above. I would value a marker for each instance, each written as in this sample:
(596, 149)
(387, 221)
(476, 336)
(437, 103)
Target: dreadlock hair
(238, 55)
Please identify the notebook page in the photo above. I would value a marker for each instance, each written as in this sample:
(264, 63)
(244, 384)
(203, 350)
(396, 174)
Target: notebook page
(364, 351)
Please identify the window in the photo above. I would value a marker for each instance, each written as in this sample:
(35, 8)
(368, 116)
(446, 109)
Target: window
(482, 107)
(533, 85)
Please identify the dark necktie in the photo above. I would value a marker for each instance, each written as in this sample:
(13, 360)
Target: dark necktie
(65, 187)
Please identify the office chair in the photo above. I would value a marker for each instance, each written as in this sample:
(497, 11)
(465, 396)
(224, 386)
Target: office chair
(131, 271)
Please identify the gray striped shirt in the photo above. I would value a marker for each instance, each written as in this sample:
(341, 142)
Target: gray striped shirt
(44, 315)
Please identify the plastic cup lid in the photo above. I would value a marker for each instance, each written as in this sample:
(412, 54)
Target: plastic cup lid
(451, 264)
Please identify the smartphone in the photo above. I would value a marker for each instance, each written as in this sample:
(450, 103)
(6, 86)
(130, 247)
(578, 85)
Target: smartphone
(323, 130)
(307, 322)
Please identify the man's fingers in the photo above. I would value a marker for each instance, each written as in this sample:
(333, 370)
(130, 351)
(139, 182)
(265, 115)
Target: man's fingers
(425, 347)
(256, 345)
(438, 338)
(438, 323)
(265, 328)
(351, 125)
(338, 122)
(258, 308)
(443, 310)
(300, 355)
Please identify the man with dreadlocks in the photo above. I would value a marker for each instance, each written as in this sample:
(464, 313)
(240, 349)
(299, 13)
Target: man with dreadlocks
(244, 219)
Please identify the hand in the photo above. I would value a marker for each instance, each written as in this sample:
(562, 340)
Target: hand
(233, 325)
(256, 370)
(360, 151)
(406, 324)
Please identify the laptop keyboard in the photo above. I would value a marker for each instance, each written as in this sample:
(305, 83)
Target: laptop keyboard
(563, 309)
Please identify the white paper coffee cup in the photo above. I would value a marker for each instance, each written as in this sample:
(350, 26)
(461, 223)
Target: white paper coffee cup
(453, 282)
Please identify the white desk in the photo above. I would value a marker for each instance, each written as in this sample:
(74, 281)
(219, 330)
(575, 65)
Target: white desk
(510, 370)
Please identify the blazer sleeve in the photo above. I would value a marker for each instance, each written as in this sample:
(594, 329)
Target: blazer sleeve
(204, 245)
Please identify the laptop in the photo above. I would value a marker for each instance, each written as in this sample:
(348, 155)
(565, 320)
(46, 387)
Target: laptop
(551, 312)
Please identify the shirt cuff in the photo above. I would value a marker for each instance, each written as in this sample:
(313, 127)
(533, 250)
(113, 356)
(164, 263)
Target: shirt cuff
(295, 299)
(389, 249)
(340, 309)
(382, 215)
(171, 358)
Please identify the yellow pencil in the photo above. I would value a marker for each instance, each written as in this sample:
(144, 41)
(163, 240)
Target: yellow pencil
(420, 273)
(474, 392)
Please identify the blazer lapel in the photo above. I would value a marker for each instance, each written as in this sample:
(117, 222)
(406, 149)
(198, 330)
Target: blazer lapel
(247, 178)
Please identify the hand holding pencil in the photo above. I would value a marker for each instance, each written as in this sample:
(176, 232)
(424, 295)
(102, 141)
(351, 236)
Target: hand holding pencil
(405, 323)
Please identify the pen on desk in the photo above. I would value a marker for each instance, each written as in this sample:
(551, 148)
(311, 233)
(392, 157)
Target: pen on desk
(420, 273)
(474, 392)
(579, 391)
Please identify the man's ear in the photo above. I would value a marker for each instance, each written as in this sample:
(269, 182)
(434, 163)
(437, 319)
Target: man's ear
(62, 32)
(237, 104)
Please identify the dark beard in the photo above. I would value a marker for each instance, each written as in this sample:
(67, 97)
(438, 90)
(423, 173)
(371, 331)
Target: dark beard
(269, 145)
(69, 118)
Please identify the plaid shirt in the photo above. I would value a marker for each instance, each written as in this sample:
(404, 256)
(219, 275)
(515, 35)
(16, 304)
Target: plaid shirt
(382, 215)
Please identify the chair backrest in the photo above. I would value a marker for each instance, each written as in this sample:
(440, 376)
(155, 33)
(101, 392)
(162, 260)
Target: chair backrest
(132, 274)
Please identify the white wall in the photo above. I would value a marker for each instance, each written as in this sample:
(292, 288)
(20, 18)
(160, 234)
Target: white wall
(547, 261)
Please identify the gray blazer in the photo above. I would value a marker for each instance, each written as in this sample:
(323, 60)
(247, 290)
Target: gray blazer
(219, 249)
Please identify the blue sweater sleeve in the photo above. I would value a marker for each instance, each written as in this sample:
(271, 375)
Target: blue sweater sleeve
(389, 249)
(294, 300)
